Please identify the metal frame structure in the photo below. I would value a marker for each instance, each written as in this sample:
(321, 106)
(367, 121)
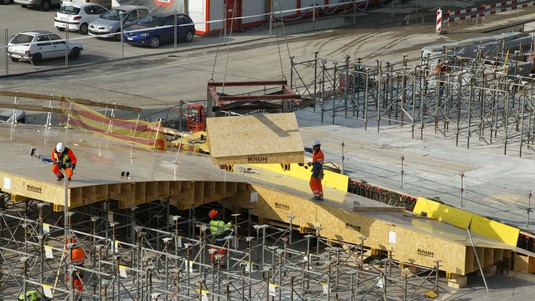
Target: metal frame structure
(487, 97)
(138, 253)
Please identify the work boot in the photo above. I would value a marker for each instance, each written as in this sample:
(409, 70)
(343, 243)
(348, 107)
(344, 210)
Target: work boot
(70, 179)
(60, 178)
(317, 198)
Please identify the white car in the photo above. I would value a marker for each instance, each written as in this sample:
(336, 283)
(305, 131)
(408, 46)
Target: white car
(6, 116)
(77, 16)
(36, 46)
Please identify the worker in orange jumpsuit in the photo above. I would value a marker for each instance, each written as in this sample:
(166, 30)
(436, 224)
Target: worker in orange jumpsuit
(64, 159)
(317, 171)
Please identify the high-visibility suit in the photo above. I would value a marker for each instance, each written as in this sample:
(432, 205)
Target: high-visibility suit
(218, 229)
(30, 296)
(317, 174)
(65, 160)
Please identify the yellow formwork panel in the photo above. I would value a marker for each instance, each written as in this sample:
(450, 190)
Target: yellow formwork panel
(330, 179)
(444, 213)
(466, 220)
(495, 230)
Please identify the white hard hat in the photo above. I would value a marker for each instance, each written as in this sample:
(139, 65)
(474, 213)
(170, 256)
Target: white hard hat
(60, 147)
(316, 142)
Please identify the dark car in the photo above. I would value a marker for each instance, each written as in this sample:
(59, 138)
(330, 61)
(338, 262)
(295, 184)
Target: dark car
(155, 29)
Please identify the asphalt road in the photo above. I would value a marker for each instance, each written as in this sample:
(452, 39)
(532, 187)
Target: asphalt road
(161, 77)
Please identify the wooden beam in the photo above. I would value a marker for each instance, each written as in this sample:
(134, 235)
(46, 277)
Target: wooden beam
(81, 101)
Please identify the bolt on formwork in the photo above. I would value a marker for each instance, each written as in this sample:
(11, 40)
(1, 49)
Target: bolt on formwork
(489, 96)
(160, 260)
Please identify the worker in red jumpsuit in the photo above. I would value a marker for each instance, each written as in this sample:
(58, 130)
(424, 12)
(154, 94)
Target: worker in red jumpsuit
(317, 171)
(64, 159)
(78, 285)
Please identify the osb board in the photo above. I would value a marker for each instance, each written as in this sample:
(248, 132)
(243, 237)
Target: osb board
(494, 230)
(49, 192)
(441, 212)
(524, 264)
(268, 138)
(276, 205)
(330, 179)
(407, 245)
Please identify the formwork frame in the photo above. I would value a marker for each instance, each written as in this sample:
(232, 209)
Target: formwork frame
(162, 262)
(484, 98)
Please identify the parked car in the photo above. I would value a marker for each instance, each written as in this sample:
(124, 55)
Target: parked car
(35, 46)
(105, 3)
(109, 25)
(77, 16)
(6, 115)
(43, 4)
(6, 2)
(158, 28)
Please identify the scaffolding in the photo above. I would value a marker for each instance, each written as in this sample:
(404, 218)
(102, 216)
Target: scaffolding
(488, 97)
(155, 252)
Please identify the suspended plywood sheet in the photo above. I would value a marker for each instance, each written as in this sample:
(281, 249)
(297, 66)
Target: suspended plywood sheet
(269, 138)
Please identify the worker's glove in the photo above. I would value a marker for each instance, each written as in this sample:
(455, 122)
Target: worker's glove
(73, 166)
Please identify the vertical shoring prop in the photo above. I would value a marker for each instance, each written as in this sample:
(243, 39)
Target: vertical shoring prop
(470, 100)
(458, 107)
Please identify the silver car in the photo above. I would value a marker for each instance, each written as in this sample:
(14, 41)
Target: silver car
(43, 4)
(109, 24)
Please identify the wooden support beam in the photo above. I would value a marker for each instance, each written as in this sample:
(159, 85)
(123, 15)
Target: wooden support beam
(81, 101)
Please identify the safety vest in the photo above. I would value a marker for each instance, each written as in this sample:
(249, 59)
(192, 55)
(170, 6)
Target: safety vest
(30, 296)
(219, 227)
(63, 157)
(78, 256)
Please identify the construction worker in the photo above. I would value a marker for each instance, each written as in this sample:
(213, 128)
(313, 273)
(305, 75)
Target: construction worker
(441, 69)
(218, 229)
(318, 159)
(64, 159)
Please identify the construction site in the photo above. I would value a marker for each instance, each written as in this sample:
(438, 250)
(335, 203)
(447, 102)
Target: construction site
(396, 222)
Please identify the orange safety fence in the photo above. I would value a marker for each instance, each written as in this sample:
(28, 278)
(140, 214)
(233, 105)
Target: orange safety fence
(135, 131)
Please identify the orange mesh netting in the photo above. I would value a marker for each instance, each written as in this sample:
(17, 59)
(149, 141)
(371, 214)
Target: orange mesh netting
(131, 130)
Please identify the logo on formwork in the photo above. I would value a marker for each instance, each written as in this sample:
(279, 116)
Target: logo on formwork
(282, 206)
(425, 253)
(34, 188)
(257, 159)
(352, 227)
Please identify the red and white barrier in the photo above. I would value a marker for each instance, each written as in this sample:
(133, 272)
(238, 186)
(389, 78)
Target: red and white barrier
(439, 21)
(484, 10)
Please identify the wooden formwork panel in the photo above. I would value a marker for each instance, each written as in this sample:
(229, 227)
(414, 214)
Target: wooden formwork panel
(163, 189)
(34, 189)
(209, 191)
(220, 190)
(268, 138)
(524, 264)
(406, 244)
(198, 191)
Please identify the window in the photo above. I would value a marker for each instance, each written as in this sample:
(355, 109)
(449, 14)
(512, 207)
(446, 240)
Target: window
(43, 40)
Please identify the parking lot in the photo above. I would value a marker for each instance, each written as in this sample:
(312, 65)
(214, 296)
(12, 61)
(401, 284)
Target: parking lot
(16, 19)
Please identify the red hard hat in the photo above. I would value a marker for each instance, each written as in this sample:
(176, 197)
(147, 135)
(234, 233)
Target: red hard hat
(213, 213)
